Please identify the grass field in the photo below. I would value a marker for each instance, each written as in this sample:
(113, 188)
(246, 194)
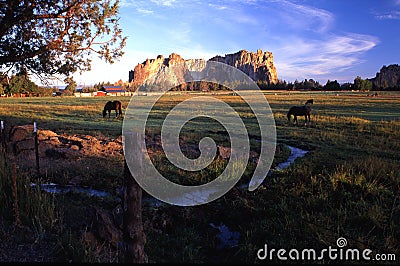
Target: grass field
(347, 185)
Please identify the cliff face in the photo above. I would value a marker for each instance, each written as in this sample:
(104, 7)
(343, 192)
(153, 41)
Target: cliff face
(387, 77)
(258, 66)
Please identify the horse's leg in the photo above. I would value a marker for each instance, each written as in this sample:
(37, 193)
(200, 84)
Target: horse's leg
(295, 119)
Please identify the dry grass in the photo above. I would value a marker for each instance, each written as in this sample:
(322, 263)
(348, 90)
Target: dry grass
(346, 186)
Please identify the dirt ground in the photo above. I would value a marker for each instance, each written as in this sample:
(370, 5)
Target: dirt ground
(56, 151)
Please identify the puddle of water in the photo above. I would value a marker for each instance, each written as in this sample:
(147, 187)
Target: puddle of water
(228, 238)
(55, 188)
(152, 202)
(294, 154)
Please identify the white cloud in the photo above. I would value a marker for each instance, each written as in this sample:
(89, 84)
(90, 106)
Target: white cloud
(390, 15)
(145, 11)
(180, 34)
(306, 17)
(314, 58)
(218, 7)
(163, 2)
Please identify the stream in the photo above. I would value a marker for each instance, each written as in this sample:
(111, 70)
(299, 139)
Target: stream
(294, 154)
(55, 188)
(228, 239)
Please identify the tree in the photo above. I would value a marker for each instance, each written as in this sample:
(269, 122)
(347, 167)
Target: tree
(346, 86)
(332, 85)
(71, 85)
(21, 83)
(362, 84)
(58, 37)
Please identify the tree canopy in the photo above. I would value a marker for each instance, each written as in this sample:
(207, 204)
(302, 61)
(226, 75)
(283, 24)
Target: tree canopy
(58, 37)
(362, 84)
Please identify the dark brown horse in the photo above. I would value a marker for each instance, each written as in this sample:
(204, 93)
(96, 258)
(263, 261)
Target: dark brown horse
(309, 101)
(113, 105)
(299, 111)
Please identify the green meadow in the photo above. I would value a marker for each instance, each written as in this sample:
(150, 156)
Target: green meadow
(347, 185)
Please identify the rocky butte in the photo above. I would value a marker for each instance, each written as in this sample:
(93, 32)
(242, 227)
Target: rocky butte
(258, 66)
(387, 77)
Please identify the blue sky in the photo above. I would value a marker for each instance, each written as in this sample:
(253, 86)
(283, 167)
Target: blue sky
(318, 39)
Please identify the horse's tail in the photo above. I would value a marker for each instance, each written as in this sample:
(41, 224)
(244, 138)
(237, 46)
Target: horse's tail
(289, 114)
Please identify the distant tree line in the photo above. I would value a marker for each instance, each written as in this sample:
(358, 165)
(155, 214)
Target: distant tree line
(307, 84)
(310, 84)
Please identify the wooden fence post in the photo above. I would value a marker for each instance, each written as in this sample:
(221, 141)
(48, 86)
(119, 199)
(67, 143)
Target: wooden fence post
(36, 149)
(15, 196)
(3, 142)
(2, 135)
(134, 236)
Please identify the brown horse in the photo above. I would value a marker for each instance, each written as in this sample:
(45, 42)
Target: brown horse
(299, 111)
(309, 101)
(113, 105)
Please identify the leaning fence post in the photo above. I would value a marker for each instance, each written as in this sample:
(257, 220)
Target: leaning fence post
(36, 148)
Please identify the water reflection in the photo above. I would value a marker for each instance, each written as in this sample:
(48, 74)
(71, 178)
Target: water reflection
(55, 188)
(227, 238)
(294, 154)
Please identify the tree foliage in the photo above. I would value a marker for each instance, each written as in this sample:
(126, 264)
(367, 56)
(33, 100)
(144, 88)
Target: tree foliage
(71, 85)
(362, 84)
(58, 37)
(20, 84)
(332, 85)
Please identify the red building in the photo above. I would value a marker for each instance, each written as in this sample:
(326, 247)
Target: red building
(113, 90)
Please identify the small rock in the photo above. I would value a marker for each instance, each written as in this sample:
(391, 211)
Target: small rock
(46, 135)
(223, 152)
(74, 147)
(19, 133)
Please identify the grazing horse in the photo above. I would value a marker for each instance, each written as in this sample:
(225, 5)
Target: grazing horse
(299, 111)
(310, 101)
(113, 105)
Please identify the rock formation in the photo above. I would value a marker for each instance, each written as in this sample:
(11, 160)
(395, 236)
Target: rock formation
(387, 77)
(258, 66)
